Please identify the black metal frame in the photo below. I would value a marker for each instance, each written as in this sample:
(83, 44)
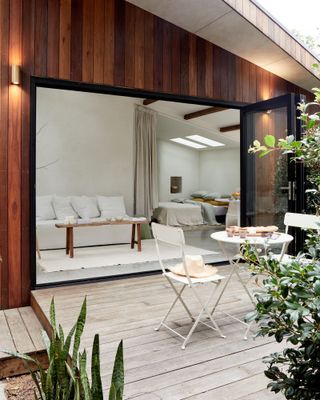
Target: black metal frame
(92, 88)
(295, 171)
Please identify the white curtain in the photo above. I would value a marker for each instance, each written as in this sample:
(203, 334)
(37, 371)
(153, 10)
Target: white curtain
(145, 162)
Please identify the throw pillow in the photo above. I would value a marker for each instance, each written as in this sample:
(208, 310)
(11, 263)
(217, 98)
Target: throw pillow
(85, 206)
(111, 206)
(44, 209)
(199, 193)
(63, 208)
(211, 196)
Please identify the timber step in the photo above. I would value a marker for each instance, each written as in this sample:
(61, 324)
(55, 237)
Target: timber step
(20, 330)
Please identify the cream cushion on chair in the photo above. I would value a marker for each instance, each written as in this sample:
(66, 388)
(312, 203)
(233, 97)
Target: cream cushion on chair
(44, 209)
(195, 266)
(85, 206)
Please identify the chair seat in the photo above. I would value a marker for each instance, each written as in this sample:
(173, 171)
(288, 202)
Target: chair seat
(184, 279)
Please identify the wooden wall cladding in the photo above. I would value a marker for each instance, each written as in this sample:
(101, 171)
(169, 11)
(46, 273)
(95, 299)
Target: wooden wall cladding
(100, 41)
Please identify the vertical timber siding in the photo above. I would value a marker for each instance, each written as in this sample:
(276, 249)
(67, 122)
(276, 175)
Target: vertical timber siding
(101, 41)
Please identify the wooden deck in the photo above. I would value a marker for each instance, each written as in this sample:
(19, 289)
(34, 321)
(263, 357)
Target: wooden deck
(20, 330)
(155, 365)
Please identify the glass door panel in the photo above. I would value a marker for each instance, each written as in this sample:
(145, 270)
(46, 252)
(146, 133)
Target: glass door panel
(268, 184)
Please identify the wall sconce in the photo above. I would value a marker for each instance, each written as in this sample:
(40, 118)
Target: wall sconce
(15, 74)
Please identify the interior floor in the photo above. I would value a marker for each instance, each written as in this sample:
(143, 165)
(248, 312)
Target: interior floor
(114, 260)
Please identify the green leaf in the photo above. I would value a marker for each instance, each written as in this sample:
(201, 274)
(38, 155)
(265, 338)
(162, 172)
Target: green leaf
(96, 386)
(264, 153)
(317, 288)
(83, 376)
(270, 140)
(77, 337)
(53, 315)
(118, 371)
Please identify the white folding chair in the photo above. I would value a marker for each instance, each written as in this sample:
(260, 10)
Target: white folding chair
(295, 220)
(174, 236)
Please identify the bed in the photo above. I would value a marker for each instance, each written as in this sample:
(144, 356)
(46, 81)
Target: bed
(176, 214)
(188, 213)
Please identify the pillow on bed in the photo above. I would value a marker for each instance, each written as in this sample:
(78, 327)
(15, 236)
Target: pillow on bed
(199, 193)
(211, 196)
(177, 200)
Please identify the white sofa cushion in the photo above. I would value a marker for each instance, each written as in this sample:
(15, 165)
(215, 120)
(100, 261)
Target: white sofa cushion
(85, 206)
(63, 208)
(111, 206)
(44, 209)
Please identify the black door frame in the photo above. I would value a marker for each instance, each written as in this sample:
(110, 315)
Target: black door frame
(295, 170)
(101, 89)
(127, 92)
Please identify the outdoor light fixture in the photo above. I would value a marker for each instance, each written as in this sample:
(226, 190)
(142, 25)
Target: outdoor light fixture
(204, 140)
(269, 111)
(15, 74)
(186, 142)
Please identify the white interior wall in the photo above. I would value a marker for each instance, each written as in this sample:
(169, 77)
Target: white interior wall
(219, 170)
(88, 138)
(177, 160)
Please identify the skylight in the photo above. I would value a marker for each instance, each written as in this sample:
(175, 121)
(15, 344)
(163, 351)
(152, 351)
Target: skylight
(204, 140)
(186, 142)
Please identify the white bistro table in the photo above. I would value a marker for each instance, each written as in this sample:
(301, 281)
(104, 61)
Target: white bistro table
(234, 259)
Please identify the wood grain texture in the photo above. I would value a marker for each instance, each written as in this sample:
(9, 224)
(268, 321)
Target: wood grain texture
(20, 330)
(4, 103)
(98, 41)
(156, 367)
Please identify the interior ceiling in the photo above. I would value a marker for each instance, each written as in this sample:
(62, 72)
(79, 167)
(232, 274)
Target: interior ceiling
(220, 24)
(171, 123)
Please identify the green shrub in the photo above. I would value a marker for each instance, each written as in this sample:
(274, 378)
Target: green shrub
(288, 308)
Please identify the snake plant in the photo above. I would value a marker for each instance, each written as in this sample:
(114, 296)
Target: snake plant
(66, 377)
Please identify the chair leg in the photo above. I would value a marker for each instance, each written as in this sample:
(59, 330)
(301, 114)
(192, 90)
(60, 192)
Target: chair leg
(205, 310)
(178, 297)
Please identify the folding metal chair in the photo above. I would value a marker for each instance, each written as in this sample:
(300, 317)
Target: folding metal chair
(174, 236)
(295, 220)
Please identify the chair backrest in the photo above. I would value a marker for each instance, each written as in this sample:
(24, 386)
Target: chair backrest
(170, 235)
(303, 221)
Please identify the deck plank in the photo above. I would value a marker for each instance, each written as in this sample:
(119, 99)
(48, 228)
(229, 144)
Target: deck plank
(155, 365)
(5, 336)
(19, 333)
(33, 327)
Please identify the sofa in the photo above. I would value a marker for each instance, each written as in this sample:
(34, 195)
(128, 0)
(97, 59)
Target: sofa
(52, 209)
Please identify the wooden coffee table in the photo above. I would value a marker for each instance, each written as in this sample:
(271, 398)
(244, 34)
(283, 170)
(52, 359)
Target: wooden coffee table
(136, 226)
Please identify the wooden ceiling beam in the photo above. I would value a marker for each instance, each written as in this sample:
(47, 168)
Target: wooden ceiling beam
(206, 111)
(230, 128)
(146, 102)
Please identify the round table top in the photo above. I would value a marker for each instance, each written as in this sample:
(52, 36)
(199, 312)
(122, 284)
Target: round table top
(278, 238)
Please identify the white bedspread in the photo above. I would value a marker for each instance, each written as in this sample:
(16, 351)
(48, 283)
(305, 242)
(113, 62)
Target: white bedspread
(175, 214)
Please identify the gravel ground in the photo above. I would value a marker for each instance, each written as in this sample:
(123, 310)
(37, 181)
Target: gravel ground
(17, 388)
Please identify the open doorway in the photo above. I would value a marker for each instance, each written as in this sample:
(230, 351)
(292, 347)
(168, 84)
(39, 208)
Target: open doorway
(84, 156)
